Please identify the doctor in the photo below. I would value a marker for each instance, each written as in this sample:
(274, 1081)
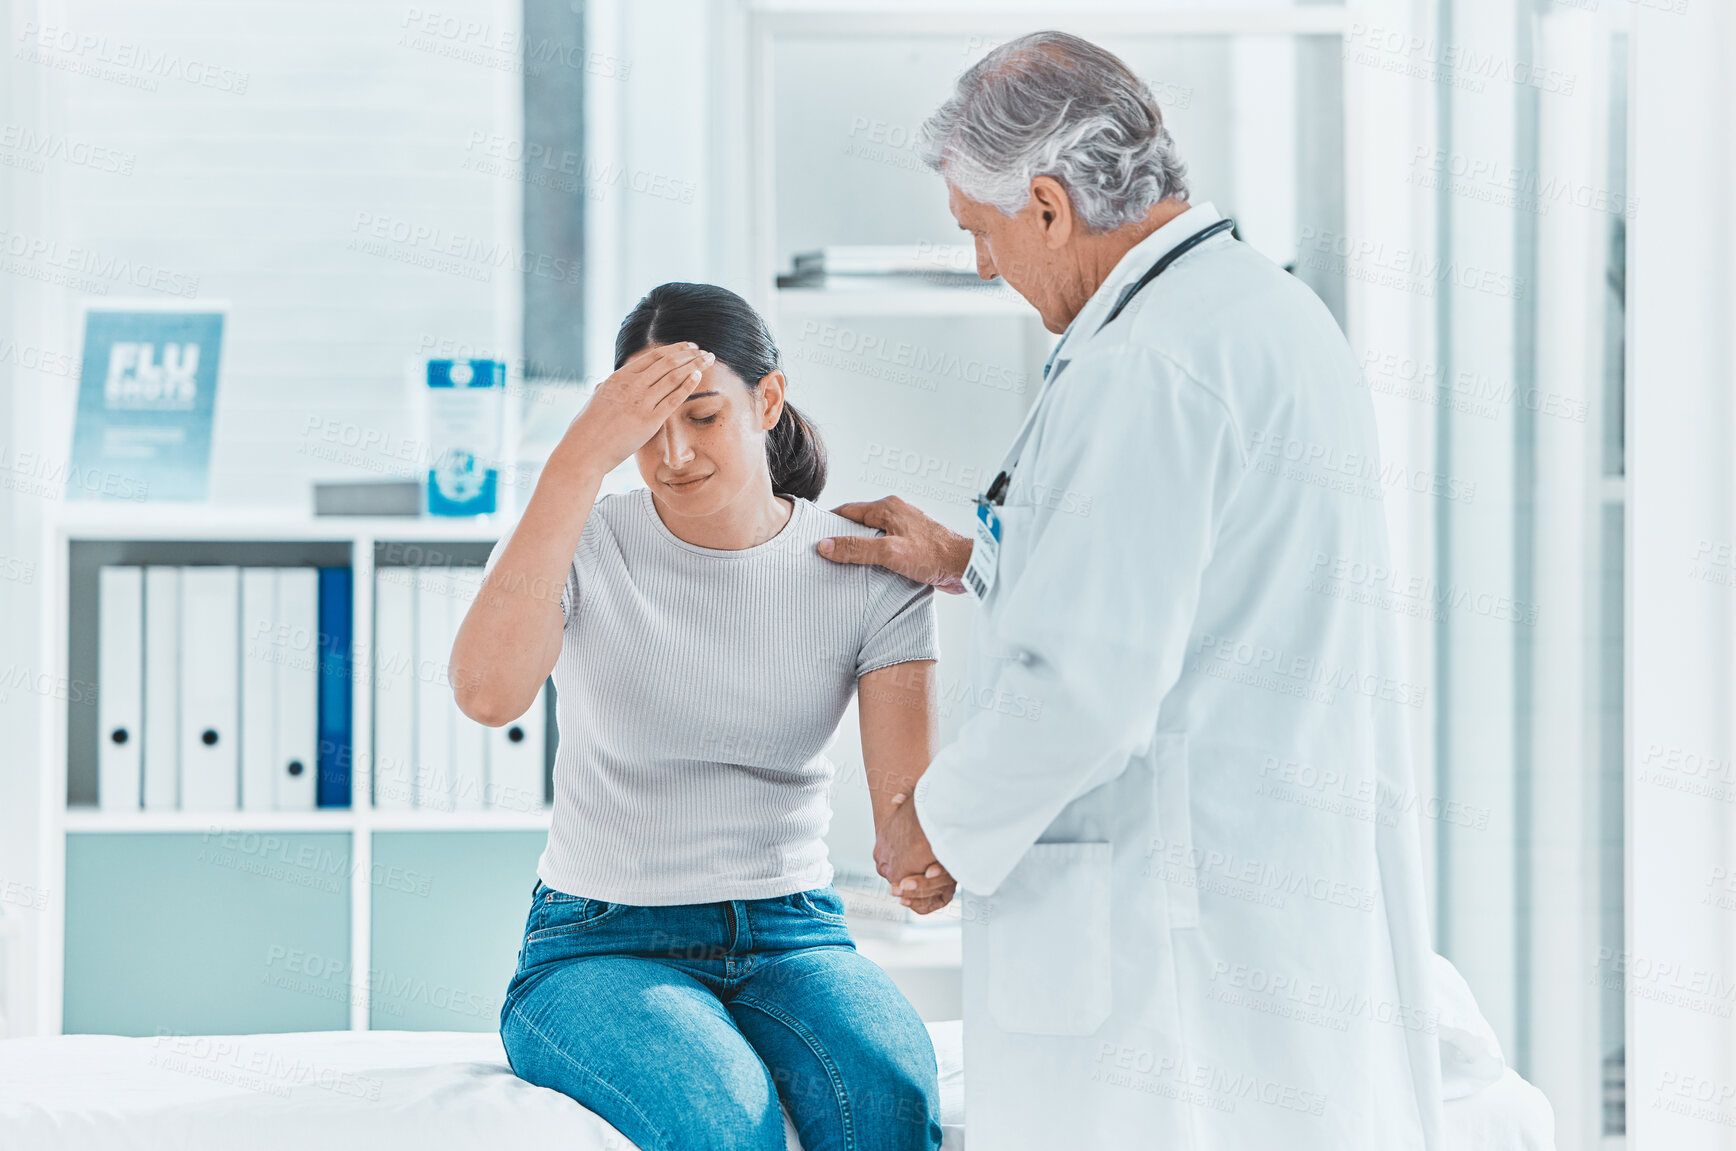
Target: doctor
(1182, 813)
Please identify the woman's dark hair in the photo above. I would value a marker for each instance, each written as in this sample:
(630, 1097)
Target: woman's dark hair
(726, 325)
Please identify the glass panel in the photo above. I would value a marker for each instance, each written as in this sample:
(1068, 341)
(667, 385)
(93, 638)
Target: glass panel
(1612, 1008)
(1615, 276)
(557, 185)
(221, 933)
(1529, 193)
(449, 912)
(1612, 922)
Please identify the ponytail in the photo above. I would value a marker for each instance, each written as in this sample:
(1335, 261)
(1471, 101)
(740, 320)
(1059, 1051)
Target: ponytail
(727, 326)
(796, 455)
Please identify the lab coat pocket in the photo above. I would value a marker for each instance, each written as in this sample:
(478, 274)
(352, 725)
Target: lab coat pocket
(1175, 825)
(1048, 942)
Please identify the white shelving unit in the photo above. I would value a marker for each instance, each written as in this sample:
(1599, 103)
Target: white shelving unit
(962, 301)
(331, 819)
(923, 965)
(233, 526)
(971, 22)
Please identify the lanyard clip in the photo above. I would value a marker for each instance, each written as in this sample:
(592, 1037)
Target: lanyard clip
(997, 493)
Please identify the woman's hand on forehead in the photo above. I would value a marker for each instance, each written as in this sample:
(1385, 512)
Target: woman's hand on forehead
(627, 408)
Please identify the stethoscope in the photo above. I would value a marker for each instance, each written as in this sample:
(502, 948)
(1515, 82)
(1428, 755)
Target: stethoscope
(997, 493)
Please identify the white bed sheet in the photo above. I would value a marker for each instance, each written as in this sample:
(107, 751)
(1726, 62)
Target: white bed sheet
(427, 1091)
(312, 1091)
(1508, 1115)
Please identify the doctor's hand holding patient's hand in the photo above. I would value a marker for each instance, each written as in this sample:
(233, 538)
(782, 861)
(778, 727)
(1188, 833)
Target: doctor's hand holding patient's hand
(627, 408)
(907, 863)
(914, 546)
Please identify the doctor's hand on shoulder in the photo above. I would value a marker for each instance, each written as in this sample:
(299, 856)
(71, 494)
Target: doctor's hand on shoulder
(914, 546)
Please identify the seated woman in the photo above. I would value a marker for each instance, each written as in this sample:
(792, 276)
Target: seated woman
(685, 962)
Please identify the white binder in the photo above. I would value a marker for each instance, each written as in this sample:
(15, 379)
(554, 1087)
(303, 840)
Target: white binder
(261, 656)
(210, 703)
(296, 762)
(435, 710)
(162, 689)
(515, 760)
(469, 762)
(394, 688)
(120, 699)
(469, 738)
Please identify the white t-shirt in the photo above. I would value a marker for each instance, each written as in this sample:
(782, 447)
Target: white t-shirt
(697, 690)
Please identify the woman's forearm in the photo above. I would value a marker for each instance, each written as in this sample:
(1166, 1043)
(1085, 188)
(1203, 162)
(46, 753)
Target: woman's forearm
(511, 636)
(900, 730)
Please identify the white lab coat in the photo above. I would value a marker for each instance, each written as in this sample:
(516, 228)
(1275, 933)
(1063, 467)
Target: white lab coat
(1182, 815)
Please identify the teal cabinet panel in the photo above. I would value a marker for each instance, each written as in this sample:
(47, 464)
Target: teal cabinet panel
(217, 933)
(449, 911)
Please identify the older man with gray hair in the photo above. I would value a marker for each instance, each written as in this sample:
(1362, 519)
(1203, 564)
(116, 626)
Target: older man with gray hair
(1182, 813)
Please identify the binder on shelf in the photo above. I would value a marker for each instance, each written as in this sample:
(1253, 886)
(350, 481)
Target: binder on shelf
(394, 688)
(435, 710)
(210, 708)
(295, 754)
(120, 687)
(161, 746)
(469, 738)
(516, 755)
(943, 262)
(332, 658)
(469, 762)
(261, 657)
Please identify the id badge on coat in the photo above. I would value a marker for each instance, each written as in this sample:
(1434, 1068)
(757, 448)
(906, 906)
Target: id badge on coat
(985, 552)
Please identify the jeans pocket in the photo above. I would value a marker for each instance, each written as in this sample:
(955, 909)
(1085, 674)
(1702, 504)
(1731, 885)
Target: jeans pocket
(1049, 944)
(822, 903)
(558, 914)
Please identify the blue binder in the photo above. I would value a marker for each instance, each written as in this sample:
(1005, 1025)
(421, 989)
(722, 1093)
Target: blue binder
(333, 788)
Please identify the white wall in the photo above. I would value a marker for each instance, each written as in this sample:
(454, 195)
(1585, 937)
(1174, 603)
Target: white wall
(18, 794)
(326, 186)
(1681, 957)
(237, 152)
(24, 394)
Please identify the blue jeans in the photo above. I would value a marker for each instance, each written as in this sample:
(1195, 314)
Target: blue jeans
(683, 1026)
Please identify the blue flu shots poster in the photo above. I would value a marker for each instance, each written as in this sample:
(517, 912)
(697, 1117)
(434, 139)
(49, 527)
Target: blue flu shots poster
(146, 397)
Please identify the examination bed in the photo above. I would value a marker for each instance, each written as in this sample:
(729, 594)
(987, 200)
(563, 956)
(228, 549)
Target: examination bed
(452, 1091)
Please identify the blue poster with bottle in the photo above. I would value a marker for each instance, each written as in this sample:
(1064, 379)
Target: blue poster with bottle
(466, 399)
(146, 395)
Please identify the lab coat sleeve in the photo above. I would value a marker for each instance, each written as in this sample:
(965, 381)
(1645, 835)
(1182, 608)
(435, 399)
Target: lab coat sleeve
(1122, 499)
